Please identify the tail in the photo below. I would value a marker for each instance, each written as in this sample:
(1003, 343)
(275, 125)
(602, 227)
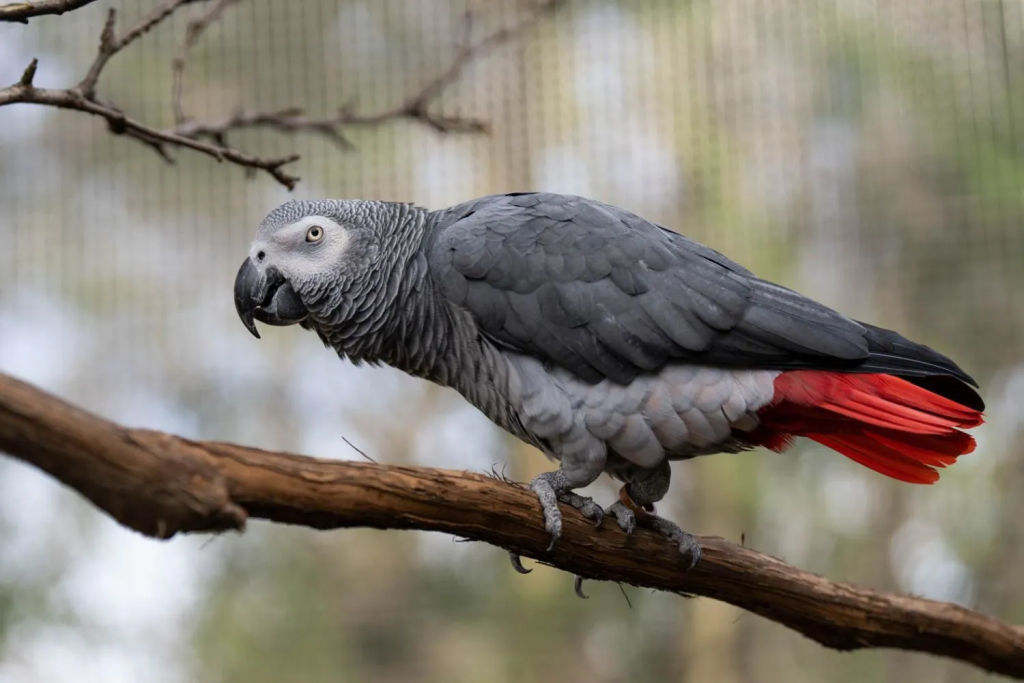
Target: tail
(894, 426)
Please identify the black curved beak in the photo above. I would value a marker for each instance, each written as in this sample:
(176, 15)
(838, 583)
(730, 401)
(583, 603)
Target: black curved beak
(266, 296)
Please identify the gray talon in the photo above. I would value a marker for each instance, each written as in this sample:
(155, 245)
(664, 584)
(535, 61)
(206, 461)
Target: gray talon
(549, 502)
(554, 487)
(686, 542)
(623, 515)
(577, 585)
(587, 507)
(517, 563)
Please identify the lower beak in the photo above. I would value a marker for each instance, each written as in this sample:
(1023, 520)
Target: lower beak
(266, 296)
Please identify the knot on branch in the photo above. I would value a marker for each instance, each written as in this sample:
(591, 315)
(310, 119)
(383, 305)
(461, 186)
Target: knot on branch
(195, 498)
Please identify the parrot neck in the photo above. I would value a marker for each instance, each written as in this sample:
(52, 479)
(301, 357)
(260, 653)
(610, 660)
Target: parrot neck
(439, 342)
(427, 337)
(401, 320)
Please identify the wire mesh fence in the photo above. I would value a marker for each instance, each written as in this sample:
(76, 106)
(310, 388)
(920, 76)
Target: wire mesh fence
(869, 153)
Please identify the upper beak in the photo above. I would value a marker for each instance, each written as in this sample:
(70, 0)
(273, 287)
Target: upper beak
(266, 296)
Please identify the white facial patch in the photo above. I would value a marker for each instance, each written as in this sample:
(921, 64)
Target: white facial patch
(334, 233)
(292, 246)
(329, 250)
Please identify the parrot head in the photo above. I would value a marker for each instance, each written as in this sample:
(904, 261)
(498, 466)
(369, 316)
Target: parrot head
(306, 256)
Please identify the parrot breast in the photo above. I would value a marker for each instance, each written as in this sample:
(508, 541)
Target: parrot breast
(680, 412)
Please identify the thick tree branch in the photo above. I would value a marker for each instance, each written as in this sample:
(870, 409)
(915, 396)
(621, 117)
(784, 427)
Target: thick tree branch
(210, 138)
(161, 484)
(21, 12)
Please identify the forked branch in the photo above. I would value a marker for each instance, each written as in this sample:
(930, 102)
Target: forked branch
(211, 138)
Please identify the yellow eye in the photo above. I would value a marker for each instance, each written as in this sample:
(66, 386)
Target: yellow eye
(314, 234)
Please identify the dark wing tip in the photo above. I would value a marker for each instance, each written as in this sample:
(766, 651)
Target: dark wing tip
(952, 388)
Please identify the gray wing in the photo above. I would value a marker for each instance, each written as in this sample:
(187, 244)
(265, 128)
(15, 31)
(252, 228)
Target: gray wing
(606, 294)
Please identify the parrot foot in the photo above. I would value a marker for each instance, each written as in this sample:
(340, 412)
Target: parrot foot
(628, 513)
(623, 515)
(552, 488)
(549, 495)
(587, 507)
(686, 542)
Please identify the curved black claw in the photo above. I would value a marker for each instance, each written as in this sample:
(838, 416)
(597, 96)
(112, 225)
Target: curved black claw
(517, 563)
(687, 542)
(577, 585)
(623, 515)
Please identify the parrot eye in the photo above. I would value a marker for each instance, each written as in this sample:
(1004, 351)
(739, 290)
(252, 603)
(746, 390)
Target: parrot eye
(314, 234)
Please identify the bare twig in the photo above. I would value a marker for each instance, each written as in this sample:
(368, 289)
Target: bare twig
(359, 451)
(622, 589)
(193, 31)
(21, 12)
(210, 138)
(290, 120)
(120, 124)
(110, 44)
(159, 485)
(415, 108)
(83, 98)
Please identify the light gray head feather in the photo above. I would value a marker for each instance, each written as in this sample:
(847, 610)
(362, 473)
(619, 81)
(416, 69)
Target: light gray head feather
(364, 280)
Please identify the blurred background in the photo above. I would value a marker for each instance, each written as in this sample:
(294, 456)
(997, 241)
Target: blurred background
(869, 153)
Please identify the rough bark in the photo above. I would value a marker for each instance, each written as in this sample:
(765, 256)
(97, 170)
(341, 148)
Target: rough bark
(160, 484)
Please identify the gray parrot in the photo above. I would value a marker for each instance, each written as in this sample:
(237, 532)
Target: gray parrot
(609, 342)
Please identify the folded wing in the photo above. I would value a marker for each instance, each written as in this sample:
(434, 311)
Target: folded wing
(608, 295)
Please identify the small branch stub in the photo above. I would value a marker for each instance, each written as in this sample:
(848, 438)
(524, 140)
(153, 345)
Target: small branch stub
(29, 75)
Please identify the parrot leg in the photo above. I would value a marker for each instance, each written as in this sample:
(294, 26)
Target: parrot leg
(554, 487)
(587, 507)
(636, 504)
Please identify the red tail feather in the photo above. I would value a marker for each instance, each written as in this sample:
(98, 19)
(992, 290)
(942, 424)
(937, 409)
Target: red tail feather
(881, 421)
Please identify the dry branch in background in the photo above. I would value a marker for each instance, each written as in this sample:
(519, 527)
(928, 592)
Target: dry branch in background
(160, 485)
(210, 138)
(21, 12)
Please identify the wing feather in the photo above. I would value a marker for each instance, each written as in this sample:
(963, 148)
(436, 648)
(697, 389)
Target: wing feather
(608, 295)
